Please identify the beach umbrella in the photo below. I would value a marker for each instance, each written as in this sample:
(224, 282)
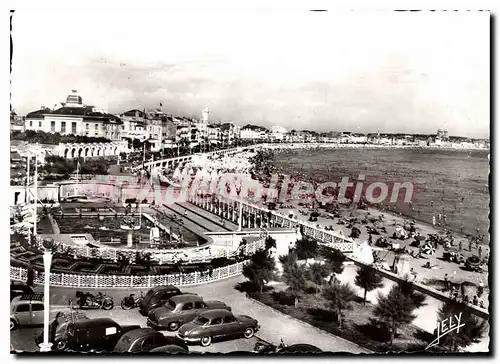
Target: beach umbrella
(428, 249)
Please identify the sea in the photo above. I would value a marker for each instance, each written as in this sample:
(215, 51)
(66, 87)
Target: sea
(447, 182)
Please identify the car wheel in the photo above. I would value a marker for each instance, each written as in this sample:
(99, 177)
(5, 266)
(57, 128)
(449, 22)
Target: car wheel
(13, 325)
(173, 326)
(206, 341)
(61, 345)
(248, 333)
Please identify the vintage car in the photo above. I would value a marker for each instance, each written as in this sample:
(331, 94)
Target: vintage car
(157, 297)
(144, 340)
(179, 310)
(99, 334)
(19, 289)
(26, 310)
(217, 324)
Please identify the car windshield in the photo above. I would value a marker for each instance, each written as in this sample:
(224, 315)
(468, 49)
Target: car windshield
(200, 320)
(170, 304)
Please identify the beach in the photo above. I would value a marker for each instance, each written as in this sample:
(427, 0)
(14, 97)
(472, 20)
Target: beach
(447, 182)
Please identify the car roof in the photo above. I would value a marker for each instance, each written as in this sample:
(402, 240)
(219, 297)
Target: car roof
(143, 331)
(94, 322)
(164, 288)
(188, 297)
(26, 298)
(211, 314)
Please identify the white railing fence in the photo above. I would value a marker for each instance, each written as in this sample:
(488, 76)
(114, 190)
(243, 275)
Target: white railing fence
(118, 281)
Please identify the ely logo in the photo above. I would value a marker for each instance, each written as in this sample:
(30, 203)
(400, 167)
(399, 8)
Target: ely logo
(445, 327)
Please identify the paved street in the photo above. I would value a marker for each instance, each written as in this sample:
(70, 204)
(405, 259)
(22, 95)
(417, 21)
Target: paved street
(274, 326)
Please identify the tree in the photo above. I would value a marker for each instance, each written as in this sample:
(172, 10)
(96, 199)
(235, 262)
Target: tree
(396, 308)
(317, 273)
(335, 260)
(260, 269)
(368, 279)
(306, 248)
(293, 275)
(270, 243)
(339, 298)
(472, 331)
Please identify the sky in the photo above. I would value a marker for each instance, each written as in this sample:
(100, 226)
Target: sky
(344, 71)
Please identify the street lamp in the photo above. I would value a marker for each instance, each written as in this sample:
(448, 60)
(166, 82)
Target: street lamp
(47, 261)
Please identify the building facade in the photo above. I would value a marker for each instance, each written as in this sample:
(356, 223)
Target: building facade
(74, 118)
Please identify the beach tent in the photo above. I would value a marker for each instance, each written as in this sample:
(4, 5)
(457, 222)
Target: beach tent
(401, 264)
(177, 173)
(364, 253)
(154, 235)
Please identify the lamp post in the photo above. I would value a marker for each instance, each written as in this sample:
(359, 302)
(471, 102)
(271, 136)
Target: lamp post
(47, 261)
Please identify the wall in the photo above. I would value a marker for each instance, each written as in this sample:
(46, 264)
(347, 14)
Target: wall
(92, 188)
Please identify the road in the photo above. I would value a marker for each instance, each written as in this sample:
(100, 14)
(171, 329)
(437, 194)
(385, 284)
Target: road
(274, 326)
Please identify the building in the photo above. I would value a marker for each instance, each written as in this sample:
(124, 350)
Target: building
(74, 118)
(16, 122)
(253, 132)
(134, 125)
(278, 133)
(230, 134)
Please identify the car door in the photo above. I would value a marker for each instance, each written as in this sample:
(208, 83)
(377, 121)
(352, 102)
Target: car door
(23, 314)
(216, 327)
(231, 326)
(37, 310)
(188, 312)
(199, 307)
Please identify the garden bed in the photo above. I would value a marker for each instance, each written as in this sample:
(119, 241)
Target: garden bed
(358, 325)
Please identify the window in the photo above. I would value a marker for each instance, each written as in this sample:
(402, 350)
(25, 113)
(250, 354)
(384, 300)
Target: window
(229, 319)
(200, 320)
(37, 307)
(87, 126)
(39, 124)
(52, 126)
(199, 305)
(31, 123)
(73, 127)
(63, 127)
(216, 321)
(187, 306)
(96, 126)
(123, 127)
(23, 308)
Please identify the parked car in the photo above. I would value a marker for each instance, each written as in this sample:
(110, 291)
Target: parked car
(144, 340)
(156, 297)
(179, 310)
(217, 324)
(99, 334)
(19, 289)
(26, 310)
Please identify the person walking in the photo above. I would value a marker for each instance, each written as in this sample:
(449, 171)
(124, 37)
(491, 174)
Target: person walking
(480, 251)
(446, 282)
(460, 245)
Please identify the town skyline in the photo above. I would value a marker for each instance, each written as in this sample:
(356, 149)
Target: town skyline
(439, 80)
